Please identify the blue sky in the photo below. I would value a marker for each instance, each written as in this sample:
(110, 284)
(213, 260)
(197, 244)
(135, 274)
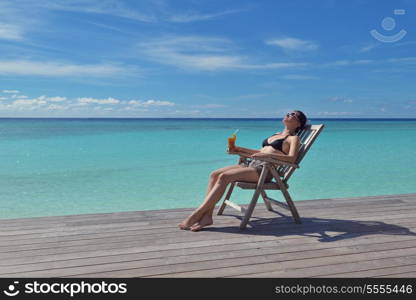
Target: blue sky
(190, 58)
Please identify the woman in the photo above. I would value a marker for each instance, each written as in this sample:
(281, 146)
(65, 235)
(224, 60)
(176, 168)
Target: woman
(282, 145)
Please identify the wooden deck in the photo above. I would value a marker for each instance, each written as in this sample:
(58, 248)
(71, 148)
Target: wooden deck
(351, 237)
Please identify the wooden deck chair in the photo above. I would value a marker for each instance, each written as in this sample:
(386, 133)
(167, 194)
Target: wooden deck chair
(281, 172)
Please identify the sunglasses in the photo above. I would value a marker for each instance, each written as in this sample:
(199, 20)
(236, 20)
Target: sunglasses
(292, 114)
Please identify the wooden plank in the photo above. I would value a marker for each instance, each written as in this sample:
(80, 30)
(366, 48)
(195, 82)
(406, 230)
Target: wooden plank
(377, 272)
(281, 231)
(139, 216)
(147, 213)
(278, 203)
(227, 219)
(237, 245)
(307, 267)
(78, 252)
(260, 212)
(139, 242)
(401, 275)
(80, 217)
(356, 265)
(177, 235)
(217, 245)
(173, 265)
(14, 235)
(219, 252)
(238, 266)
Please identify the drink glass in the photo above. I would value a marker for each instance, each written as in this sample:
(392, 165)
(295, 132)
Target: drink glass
(231, 141)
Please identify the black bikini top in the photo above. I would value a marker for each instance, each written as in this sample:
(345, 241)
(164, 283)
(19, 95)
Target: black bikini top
(276, 144)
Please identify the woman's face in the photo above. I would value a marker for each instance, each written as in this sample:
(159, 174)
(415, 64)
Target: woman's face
(291, 120)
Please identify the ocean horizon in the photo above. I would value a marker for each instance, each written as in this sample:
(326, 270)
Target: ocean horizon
(63, 166)
(191, 118)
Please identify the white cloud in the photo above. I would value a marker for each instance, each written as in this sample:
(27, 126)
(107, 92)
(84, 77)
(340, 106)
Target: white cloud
(56, 99)
(82, 106)
(19, 102)
(337, 113)
(18, 18)
(10, 32)
(299, 77)
(106, 7)
(275, 66)
(47, 68)
(150, 103)
(290, 43)
(56, 107)
(193, 16)
(41, 100)
(24, 102)
(188, 51)
(403, 59)
(250, 96)
(17, 96)
(369, 47)
(45, 98)
(362, 61)
(185, 113)
(210, 105)
(346, 62)
(134, 109)
(98, 101)
(11, 91)
(202, 53)
(340, 99)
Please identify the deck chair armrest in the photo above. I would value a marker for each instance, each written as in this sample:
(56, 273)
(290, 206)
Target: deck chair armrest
(278, 162)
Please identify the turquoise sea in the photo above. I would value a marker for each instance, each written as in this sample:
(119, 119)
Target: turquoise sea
(75, 166)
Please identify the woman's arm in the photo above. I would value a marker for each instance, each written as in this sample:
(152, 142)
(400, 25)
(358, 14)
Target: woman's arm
(245, 150)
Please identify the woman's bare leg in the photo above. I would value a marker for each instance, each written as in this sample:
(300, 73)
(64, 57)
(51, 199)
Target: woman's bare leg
(237, 174)
(215, 174)
(213, 178)
(207, 217)
(212, 181)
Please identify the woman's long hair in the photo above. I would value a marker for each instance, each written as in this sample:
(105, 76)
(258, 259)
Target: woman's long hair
(302, 119)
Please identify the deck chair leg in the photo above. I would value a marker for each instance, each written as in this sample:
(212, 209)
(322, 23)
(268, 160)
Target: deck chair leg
(266, 202)
(256, 195)
(291, 205)
(227, 197)
(286, 194)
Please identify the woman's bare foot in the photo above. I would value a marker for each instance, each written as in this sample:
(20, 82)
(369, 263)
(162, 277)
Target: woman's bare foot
(205, 221)
(188, 222)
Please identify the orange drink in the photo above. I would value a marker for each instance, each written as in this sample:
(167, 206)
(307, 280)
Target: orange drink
(231, 141)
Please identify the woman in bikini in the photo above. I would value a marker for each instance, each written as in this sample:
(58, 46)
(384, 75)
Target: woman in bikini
(282, 145)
